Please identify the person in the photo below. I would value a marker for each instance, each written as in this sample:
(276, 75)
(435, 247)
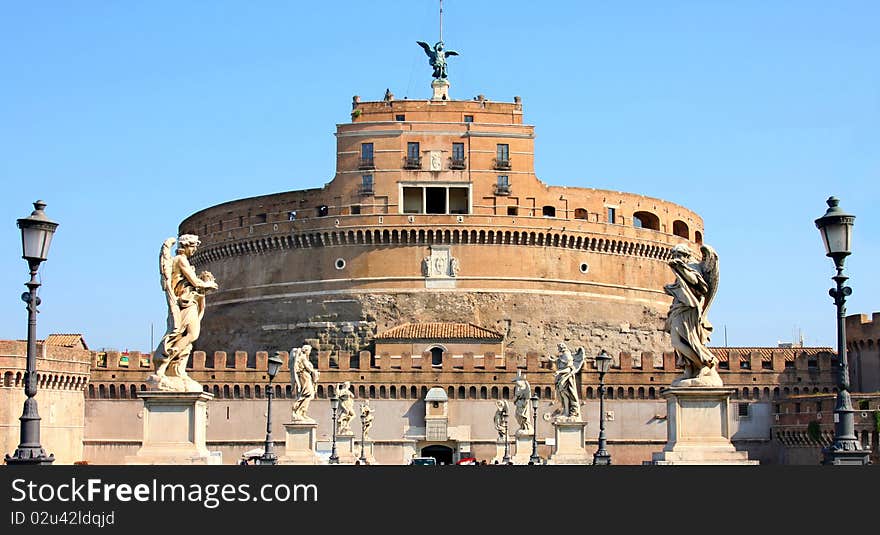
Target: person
(567, 369)
(500, 419)
(185, 295)
(687, 324)
(346, 404)
(303, 377)
(366, 419)
(522, 401)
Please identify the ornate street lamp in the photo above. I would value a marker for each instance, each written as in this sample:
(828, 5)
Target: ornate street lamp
(836, 229)
(269, 457)
(534, 459)
(36, 236)
(506, 458)
(334, 404)
(603, 364)
(363, 458)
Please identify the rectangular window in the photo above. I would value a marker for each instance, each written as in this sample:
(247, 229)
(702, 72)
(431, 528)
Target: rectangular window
(458, 151)
(789, 364)
(611, 214)
(511, 210)
(458, 200)
(502, 156)
(797, 408)
(366, 184)
(766, 364)
(724, 365)
(400, 117)
(412, 150)
(745, 364)
(812, 364)
(503, 181)
(412, 200)
(468, 118)
(355, 209)
(742, 410)
(366, 161)
(261, 218)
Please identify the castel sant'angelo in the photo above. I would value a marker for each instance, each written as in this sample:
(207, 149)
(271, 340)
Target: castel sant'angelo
(432, 274)
(435, 214)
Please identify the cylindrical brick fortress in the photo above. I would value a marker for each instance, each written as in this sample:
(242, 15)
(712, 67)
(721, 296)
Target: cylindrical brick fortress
(435, 215)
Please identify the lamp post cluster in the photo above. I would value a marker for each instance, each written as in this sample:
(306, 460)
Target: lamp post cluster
(835, 226)
(36, 236)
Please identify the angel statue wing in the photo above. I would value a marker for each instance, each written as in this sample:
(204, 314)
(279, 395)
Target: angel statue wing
(428, 50)
(165, 267)
(577, 361)
(709, 267)
(451, 53)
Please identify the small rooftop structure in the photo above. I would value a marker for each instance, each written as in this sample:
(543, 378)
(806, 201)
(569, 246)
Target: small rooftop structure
(436, 394)
(66, 340)
(440, 331)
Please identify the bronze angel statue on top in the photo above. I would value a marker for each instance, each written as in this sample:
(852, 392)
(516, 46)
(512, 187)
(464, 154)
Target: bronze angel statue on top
(437, 57)
(687, 322)
(185, 296)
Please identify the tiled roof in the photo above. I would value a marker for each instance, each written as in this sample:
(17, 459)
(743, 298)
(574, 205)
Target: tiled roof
(789, 353)
(66, 340)
(439, 331)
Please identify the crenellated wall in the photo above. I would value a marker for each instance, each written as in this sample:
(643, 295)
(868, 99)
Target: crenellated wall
(863, 351)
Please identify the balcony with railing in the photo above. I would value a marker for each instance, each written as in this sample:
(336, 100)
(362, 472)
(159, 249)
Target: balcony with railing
(366, 189)
(412, 162)
(502, 165)
(502, 189)
(457, 163)
(366, 163)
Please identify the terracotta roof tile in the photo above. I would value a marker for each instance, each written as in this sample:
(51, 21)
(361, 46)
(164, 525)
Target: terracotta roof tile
(66, 340)
(790, 353)
(440, 331)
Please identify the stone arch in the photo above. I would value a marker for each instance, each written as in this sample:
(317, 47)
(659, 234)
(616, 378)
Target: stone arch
(580, 213)
(247, 391)
(413, 392)
(484, 393)
(505, 392)
(547, 393)
(383, 392)
(450, 392)
(648, 220)
(698, 237)
(494, 392)
(216, 391)
(589, 393)
(236, 391)
(680, 229)
(652, 393)
(392, 392)
(461, 392)
(630, 393)
(472, 392)
(92, 390)
(641, 392)
(226, 392)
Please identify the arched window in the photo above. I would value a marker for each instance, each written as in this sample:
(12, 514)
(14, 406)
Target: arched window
(319, 392)
(472, 392)
(698, 237)
(630, 393)
(236, 391)
(226, 391)
(92, 390)
(589, 394)
(680, 229)
(580, 213)
(436, 356)
(393, 392)
(652, 394)
(123, 392)
(258, 392)
(505, 392)
(450, 392)
(548, 211)
(288, 391)
(483, 393)
(112, 391)
(494, 392)
(247, 391)
(547, 393)
(461, 394)
(646, 220)
(7, 379)
(372, 392)
(133, 390)
(383, 394)
(362, 391)
(641, 393)
(216, 391)
(413, 392)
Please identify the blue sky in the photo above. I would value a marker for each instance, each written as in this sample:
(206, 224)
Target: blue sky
(127, 117)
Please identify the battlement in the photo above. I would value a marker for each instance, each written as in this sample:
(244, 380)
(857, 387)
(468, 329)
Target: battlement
(731, 359)
(859, 326)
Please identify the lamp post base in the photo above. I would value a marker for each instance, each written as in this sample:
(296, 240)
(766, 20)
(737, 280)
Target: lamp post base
(601, 458)
(29, 456)
(845, 457)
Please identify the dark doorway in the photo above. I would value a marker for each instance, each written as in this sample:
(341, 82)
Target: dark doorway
(435, 200)
(443, 454)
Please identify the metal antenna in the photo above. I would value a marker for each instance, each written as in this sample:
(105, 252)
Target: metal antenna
(441, 21)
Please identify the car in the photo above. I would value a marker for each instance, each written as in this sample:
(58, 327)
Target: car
(424, 461)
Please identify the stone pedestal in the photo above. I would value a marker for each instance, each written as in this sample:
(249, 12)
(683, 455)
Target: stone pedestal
(345, 449)
(175, 426)
(300, 443)
(569, 448)
(441, 89)
(698, 428)
(368, 452)
(499, 452)
(523, 451)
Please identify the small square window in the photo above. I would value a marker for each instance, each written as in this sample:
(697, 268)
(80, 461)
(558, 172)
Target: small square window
(745, 364)
(766, 364)
(742, 410)
(511, 210)
(724, 365)
(355, 209)
(789, 364)
(468, 118)
(400, 117)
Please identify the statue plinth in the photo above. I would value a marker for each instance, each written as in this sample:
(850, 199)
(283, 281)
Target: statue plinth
(300, 443)
(175, 425)
(441, 89)
(523, 452)
(369, 457)
(499, 452)
(698, 428)
(569, 448)
(345, 448)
